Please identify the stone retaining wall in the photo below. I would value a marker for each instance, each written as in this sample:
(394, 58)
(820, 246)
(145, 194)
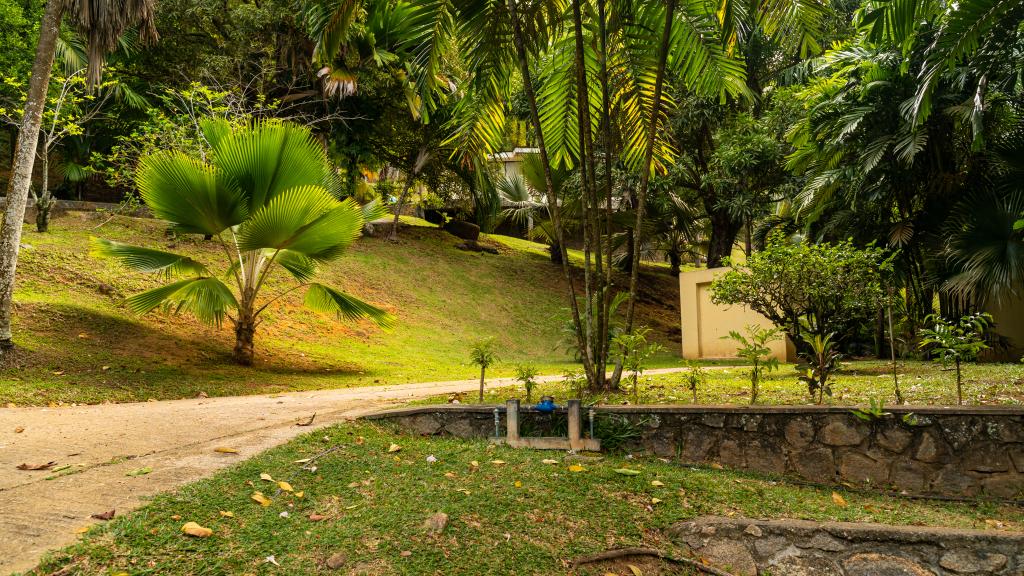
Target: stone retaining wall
(748, 547)
(957, 452)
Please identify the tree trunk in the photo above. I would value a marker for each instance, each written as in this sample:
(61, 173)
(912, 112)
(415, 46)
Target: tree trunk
(483, 372)
(675, 260)
(724, 230)
(44, 201)
(21, 171)
(556, 253)
(400, 205)
(245, 330)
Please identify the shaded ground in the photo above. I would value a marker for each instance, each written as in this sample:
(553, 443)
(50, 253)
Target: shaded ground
(79, 344)
(509, 511)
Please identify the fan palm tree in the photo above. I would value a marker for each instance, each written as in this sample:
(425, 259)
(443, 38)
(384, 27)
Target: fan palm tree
(262, 196)
(101, 25)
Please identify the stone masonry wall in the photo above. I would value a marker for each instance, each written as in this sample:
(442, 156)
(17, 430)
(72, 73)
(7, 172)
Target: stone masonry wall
(966, 452)
(748, 547)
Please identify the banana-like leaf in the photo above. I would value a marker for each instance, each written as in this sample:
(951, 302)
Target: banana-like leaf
(146, 259)
(267, 159)
(208, 299)
(325, 299)
(306, 220)
(189, 194)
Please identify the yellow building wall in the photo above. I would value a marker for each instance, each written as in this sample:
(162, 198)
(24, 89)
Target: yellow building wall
(705, 323)
(1009, 319)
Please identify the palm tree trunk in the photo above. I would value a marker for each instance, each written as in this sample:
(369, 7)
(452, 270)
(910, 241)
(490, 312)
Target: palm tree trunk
(553, 208)
(483, 372)
(400, 205)
(645, 176)
(21, 171)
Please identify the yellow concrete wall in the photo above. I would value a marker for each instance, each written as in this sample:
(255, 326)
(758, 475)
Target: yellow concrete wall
(1009, 318)
(704, 323)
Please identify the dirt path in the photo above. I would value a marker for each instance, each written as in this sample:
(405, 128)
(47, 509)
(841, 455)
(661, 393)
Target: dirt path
(175, 438)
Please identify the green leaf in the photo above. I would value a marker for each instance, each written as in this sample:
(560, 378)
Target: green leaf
(208, 299)
(305, 220)
(627, 471)
(268, 159)
(300, 267)
(325, 299)
(146, 259)
(189, 194)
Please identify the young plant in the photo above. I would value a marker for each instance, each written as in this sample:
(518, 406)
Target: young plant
(822, 360)
(577, 384)
(875, 411)
(956, 342)
(526, 374)
(260, 195)
(633, 350)
(695, 378)
(753, 348)
(483, 355)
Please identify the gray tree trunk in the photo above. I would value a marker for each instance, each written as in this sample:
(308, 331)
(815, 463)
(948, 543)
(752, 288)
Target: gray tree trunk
(24, 158)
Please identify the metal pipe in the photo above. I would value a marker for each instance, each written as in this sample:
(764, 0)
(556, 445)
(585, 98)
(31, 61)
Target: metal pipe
(590, 415)
(497, 423)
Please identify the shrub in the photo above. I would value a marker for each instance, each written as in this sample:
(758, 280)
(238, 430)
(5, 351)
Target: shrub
(956, 342)
(753, 348)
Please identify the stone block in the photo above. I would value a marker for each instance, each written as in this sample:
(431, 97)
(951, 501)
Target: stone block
(951, 481)
(714, 420)
(959, 431)
(799, 432)
(843, 431)
(857, 467)
(874, 564)
(729, 555)
(911, 476)
(423, 424)
(697, 446)
(931, 449)
(1004, 485)
(801, 566)
(1017, 456)
(816, 464)
(971, 562)
(986, 458)
(730, 454)
(894, 439)
(765, 456)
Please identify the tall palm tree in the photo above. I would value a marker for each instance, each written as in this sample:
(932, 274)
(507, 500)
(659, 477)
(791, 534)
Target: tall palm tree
(263, 197)
(101, 25)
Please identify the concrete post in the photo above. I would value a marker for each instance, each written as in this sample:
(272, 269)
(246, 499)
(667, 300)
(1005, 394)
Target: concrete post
(512, 421)
(575, 426)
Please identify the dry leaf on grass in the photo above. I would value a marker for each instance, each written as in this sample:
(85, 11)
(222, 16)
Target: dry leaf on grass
(227, 514)
(394, 448)
(226, 450)
(839, 500)
(657, 483)
(19, 430)
(307, 422)
(193, 529)
(627, 471)
(261, 499)
(317, 517)
(267, 477)
(27, 466)
(576, 468)
(104, 515)
(284, 486)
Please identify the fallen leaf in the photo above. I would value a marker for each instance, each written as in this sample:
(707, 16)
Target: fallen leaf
(627, 471)
(549, 461)
(655, 500)
(636, 571)
(576, 468)
(259, 497)
(284, 486)
(716, 466)
(267, 477)
(405, 553)
(839, 500)
(139, 472)
(193, 529)
(518, 484)
(227, 514)
(307, 422)
(394, 448)
(300, 494)
(360, 440)
(19, 430)
(337, 561)
(81, 530)
(176, 517)
(226, 450)
(27, 466)
(104, 515)
(450, 475)
(301, 461)
(317, 517)
(271, 560)
(497, 462)
(657, 483)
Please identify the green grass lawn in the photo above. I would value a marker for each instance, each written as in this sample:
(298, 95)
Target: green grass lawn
(79, 344)
(922, 383)
(510, 513)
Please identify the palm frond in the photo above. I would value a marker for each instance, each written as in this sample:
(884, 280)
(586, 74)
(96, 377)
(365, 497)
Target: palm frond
(306, 220)
(208, 299)
(326, 299)
(147, 260)
(189, 194)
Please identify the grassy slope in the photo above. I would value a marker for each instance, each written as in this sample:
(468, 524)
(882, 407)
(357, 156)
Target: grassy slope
(79, 343)
(510, 514)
